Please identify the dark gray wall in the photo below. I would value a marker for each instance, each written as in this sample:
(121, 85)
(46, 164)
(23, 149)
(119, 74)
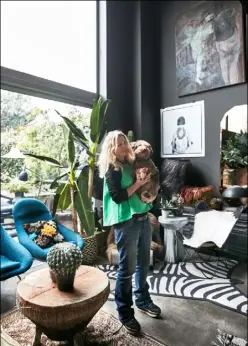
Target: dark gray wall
(121, 43)
(132, 70)
(217, 102)
(141, 77)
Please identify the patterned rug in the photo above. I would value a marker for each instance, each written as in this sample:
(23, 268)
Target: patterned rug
(194, 280)
(225, 339)
(103, 330)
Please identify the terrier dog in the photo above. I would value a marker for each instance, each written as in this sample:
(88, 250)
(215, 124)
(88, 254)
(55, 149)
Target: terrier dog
(144, 165)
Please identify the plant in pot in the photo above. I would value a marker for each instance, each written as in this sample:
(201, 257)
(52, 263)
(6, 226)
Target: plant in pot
(18, 187)
(76, 191)
(63, 260)
(234, 155)
(174, 205)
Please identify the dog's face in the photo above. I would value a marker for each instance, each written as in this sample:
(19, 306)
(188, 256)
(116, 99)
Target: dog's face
(142, 149)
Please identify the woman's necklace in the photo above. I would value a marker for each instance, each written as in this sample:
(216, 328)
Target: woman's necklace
(179, 131)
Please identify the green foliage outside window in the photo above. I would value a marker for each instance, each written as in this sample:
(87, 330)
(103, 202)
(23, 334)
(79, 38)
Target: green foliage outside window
(32, 129)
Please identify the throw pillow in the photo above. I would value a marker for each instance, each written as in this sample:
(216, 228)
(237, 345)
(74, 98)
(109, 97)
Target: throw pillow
(44, 233)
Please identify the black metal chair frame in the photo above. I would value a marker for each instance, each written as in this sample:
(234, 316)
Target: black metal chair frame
(216, 251)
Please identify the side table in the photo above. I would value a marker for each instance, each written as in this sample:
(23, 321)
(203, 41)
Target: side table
(173, 244)
(60, 315)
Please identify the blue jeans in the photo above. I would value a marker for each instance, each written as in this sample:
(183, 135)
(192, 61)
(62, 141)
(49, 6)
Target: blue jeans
(133, 240)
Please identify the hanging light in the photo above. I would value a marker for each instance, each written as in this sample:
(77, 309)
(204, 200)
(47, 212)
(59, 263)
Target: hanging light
(23, 176)
(14, 153)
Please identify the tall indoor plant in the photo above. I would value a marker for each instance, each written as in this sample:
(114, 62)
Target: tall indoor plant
(77, 189)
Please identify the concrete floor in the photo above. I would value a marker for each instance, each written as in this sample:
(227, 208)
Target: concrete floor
(183, 322)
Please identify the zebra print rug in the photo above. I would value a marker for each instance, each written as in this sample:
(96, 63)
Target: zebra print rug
(193, 280)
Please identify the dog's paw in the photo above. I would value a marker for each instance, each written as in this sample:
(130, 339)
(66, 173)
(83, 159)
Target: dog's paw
(147, 197)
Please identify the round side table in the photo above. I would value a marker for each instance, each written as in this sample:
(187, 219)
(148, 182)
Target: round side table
(173, 245)
(60, 315)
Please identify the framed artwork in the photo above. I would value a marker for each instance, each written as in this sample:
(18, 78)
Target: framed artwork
(210, 49)
(183, 130)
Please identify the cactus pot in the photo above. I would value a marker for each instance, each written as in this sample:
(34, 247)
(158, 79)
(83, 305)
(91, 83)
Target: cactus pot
(64, 282)
(63, 260)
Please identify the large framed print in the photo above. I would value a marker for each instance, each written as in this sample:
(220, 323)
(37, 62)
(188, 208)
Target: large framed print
(183, 130)
(210, 49)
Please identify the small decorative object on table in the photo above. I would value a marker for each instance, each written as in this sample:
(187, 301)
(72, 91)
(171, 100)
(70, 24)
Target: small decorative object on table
(175, 205)
(191, 195)
(63, 260)
(216, 203)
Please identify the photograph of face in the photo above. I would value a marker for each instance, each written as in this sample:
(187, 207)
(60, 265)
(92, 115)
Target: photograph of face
(183, 130)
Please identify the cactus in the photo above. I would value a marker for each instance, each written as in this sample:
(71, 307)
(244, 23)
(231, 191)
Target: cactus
(64, 258)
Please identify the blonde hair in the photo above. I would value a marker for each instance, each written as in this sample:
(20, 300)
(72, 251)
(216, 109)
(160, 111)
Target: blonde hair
(107, 156)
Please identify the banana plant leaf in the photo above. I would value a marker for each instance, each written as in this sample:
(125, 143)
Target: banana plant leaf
(84, 205)
(59, 200)
(98, 120)
(55, 182)
(55, 204)
(47, 159)
(75, 130)
(64, 196)
(71, 148)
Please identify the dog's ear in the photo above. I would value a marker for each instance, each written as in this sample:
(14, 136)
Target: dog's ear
(134, 145)
(150, 148)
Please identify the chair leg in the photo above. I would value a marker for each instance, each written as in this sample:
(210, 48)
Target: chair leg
(187, 256)
(211, 277)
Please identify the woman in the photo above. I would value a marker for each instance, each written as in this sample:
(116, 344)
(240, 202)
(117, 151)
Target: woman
(123, 209)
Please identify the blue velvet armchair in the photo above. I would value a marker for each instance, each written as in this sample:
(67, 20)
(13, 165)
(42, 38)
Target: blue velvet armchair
(29, 210)
(15, 259)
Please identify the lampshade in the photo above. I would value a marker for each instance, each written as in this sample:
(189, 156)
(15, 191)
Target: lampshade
(14, 153)
(235, 192)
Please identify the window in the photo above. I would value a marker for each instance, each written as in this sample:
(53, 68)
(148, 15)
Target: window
(54, 40)
(31, 124)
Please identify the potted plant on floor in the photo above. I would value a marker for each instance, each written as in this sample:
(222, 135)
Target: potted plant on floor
(235, 156)
(76, 191)
(18, 188)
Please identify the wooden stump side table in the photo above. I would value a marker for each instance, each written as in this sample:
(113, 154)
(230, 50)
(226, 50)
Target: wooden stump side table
(60, 315)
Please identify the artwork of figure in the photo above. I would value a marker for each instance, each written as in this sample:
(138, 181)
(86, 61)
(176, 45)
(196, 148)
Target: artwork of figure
(183, 130)
(209, 46)
(181, 140)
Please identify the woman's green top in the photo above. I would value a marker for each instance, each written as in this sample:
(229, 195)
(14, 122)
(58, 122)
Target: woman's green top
(114, 213)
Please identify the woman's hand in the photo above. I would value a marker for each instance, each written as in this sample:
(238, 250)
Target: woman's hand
(142, 177)
(142, 180)
(147, 199)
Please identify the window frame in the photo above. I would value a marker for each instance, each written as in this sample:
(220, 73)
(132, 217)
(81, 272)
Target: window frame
(28, 84)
